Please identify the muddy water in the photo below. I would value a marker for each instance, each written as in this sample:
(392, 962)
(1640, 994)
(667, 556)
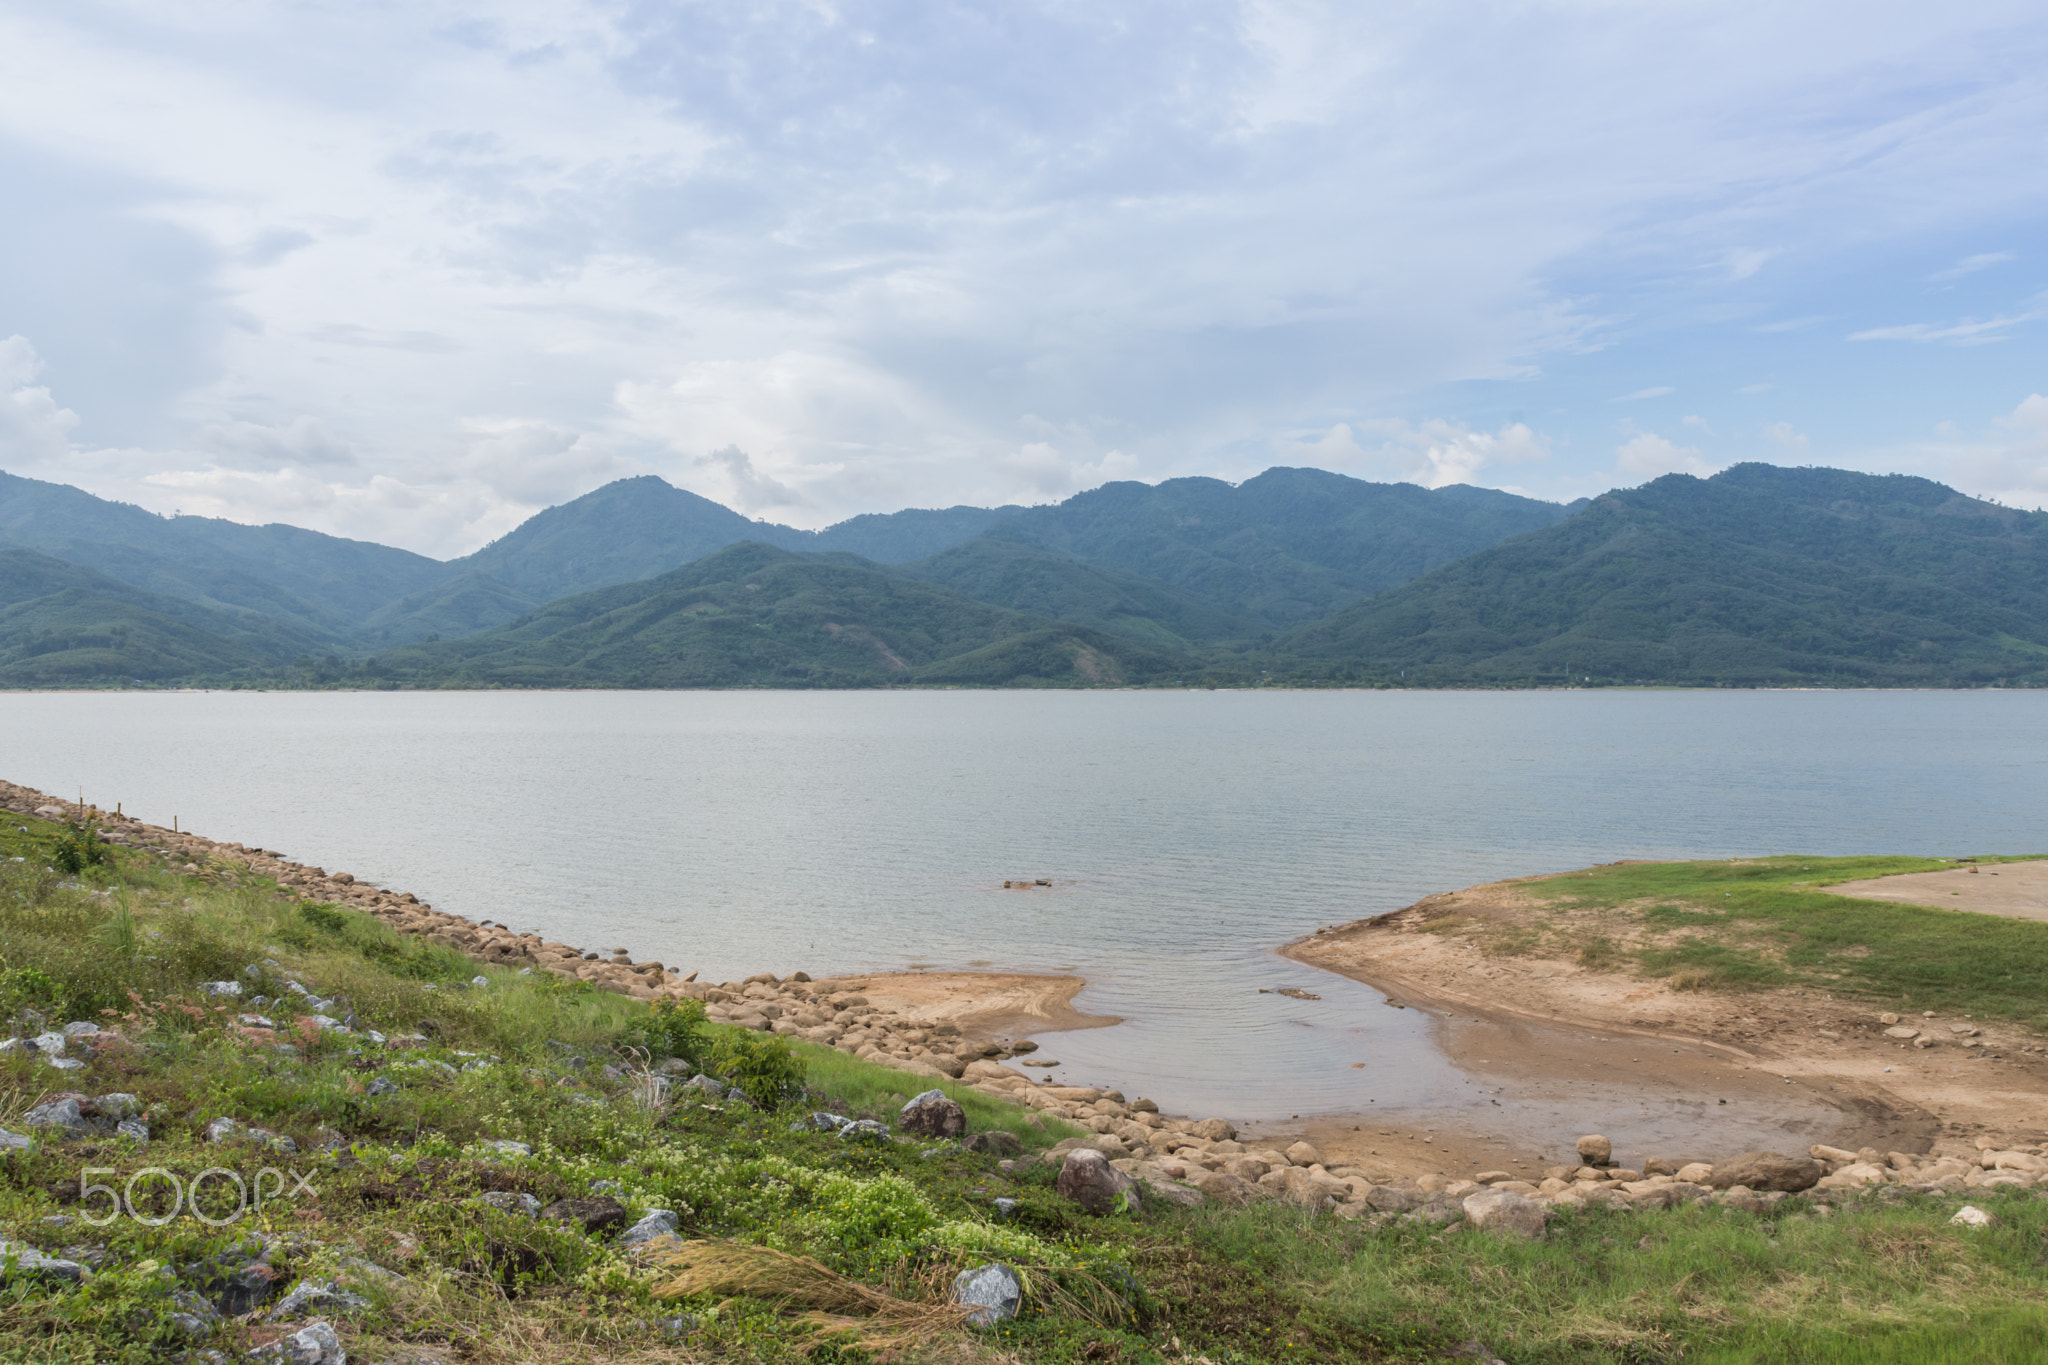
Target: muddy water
(1185, 834)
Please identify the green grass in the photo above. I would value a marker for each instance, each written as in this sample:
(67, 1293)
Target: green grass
(1772, 922)
(1890, 1280)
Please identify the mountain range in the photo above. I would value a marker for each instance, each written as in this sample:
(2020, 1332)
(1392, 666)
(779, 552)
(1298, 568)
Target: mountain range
(1759, 575)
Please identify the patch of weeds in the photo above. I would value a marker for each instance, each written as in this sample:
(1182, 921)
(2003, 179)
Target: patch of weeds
(1699, 964)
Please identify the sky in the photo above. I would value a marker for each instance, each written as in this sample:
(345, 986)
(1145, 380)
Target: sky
(411, 271)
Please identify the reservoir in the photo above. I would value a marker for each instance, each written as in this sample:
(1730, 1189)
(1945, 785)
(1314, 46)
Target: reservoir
(1185, 835)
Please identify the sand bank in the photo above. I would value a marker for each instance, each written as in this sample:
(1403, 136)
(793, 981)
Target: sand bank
(1703, 1072)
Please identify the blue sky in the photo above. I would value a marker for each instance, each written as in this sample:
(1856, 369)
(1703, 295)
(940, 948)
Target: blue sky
(411, 271)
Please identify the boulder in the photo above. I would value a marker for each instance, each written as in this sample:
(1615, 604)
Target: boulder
(1222, 1186)
(65, 1114)
(1504, 1211)
(1304, 1154)
(593, 1215)
(1696, 1173)
(1174, 1193)
(995, 1142)
(1595, 1150)
(509, 1201)
(1087, 1178)
(1213, 1130)
(658, 1225)
(1766, 1171)
(1392, 1199)
(1970, 1216)
(990, 1293)
(323, 1296)
(31, 1264)
(314, 1344)
(932, 1114)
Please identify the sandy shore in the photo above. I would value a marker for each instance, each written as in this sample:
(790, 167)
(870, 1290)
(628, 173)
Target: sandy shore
(1707, 1072)
(986, 1006)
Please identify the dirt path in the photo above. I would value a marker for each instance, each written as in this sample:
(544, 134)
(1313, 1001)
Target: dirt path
(2015, 890)
(1691, 1073)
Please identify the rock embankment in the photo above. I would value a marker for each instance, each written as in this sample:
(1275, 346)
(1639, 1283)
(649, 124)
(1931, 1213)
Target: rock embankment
(485, 941)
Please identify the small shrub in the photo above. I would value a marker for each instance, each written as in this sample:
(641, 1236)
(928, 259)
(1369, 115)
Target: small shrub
(761, 1065)
(79, 847)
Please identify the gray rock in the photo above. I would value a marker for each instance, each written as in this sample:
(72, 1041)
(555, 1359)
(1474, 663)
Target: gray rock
(826, 1123)
(995, 1142)
(990, 1293)
(18, 1260)
(256, 1021)
(195, 1316)
(865, 1130)
(64, 1113)
(1506, 1212)
(1762, 1171)
(679, 1326)
(79, 1028)
(932, 1114)
(15, 1142)
(380, 1086)
(1004, 1209)
(594, 1216)
(1392, 1199)
(1087, 1178)
(707, 1085)
(329, 1024)
(135, 1130)
(49, 1044)
(231, 989)
(321, 1297)
(65, 1063)
(512, 1202)
(657, 1224)
(118, 1105)
(1176, 1194)
(510, 1148)
(315, 1344)
(604, 1187)
(234, 1130)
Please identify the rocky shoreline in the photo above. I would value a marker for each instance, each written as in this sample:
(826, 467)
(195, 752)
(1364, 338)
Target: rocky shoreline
(1175, 1158)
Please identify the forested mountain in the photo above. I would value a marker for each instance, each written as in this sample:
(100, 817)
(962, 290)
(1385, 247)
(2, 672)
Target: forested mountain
(1029, 579)
(1758, 575)
(751, 615)
(62, 624)
(321, 584)
(1289, 546)
(637, 528)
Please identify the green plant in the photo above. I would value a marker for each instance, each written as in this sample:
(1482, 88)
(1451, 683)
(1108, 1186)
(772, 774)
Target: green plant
(761, 1065)
(78, 847)
(672, 1027)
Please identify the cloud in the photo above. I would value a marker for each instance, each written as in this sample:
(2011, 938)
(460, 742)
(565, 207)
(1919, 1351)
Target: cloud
(1970, 265)
(1647, 455)
(1781, 435)
(33, 429)
(750, 489)
(348, 334)
(299, 443)
(1742, 262)
(1658, 392)
(1967, 333)
(1433, 453)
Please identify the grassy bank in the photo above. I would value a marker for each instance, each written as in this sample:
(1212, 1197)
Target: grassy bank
(396, 1141)
(1773, 922)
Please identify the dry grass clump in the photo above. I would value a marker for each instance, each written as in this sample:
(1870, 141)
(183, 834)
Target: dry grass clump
(821, 1295)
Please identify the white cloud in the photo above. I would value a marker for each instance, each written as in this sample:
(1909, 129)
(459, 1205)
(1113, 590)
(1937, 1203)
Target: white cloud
(1647, 455)
(1971, 332)
(33, 429)
(1781, 435)
(1433, 453)
(1970, 265)
(251, 445)
(1658, 392)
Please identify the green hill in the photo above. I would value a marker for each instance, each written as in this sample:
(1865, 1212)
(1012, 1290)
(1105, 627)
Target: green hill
(1287, 547)
(1028, 579)
(1759, 575)
(63, 625)
(637, 528)
(321, 584)
(755, 616)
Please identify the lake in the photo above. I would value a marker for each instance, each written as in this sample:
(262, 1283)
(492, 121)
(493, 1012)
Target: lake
(1186, 834)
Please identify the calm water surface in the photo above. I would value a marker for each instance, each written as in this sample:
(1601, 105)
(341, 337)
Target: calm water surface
(1187, 834)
